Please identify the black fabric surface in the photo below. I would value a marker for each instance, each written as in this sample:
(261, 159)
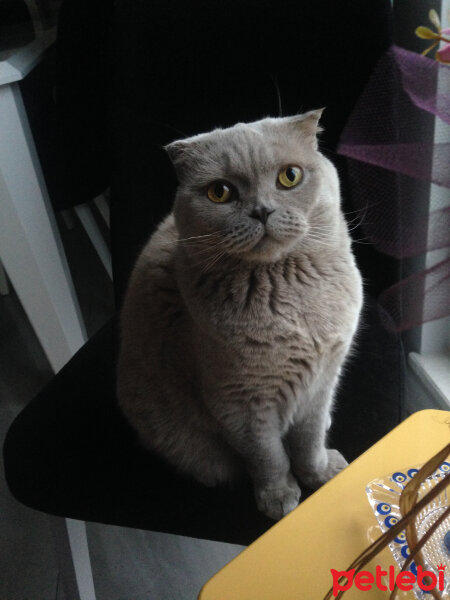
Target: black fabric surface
(71, 453)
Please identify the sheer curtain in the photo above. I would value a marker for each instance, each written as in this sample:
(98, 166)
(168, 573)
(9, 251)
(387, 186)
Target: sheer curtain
(397, 142)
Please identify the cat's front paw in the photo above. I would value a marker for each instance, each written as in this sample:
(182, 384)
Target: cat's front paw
(334, 465)
(277, 502)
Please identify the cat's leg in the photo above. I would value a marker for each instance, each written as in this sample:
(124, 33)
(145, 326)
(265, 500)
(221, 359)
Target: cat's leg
(311, 461)
(209, 460)
(176, 435)
(260, 444)
(199, 455)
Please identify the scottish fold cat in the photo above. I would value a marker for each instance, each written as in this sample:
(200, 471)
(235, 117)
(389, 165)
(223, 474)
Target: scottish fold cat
(241, 310)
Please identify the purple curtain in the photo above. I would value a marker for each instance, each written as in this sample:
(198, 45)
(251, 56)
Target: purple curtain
(385, 141)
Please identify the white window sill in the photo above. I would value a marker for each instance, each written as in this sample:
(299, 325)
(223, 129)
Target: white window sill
(433, 370)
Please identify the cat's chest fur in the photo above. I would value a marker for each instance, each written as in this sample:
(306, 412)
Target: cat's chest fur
(280, 320)
(296, 296)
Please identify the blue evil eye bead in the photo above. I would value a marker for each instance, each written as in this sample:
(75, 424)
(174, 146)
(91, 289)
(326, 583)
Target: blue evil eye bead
(399, 477)
(401, 538)
(447, 541)
(412, 472)
(390, 521)
(383, 508)
(445, 467)
(405, 551)
(413, 568)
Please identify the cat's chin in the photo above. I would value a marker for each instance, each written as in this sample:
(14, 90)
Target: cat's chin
(267, 250)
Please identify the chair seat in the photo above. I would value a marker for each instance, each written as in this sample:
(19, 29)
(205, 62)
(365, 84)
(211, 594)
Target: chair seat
(71, 453)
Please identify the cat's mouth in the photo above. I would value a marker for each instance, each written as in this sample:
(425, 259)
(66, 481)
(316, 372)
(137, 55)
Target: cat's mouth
(266, 235)
(273, 236)
(261, 238)
(262, 244)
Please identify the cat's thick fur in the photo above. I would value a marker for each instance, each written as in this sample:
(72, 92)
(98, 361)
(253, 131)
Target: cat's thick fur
(234, 330)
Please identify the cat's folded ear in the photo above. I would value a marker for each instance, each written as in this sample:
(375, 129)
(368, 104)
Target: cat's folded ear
(307, 124)
(175, 150)
(179, 155)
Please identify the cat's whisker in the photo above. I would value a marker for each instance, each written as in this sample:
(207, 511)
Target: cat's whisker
(198, 240)
(359, 219)
(364, 208)
(200, 248)
(358, 224)
(354, 224)
(196, 237)
(318, 238)
(320, 241)
(207, 249)
(209, 255)
(321, 229)
(194, 242)
(360, 241)
(213, 261)
(357, 210)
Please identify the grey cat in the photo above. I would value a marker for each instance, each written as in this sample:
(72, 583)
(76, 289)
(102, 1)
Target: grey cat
(241, 310)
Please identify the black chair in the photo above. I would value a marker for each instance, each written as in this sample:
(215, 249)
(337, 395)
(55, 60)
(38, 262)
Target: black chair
(172, 69)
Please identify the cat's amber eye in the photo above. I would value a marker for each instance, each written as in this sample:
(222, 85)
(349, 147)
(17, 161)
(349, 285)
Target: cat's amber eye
(219, 192)
(290, 176)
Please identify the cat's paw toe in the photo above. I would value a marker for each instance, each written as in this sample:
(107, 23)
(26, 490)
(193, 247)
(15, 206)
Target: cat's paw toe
(334, 465)
(278, 502)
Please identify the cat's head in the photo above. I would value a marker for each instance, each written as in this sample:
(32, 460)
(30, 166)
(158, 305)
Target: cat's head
(256, 189)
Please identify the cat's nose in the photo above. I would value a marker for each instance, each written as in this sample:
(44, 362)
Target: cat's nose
(261, 213)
